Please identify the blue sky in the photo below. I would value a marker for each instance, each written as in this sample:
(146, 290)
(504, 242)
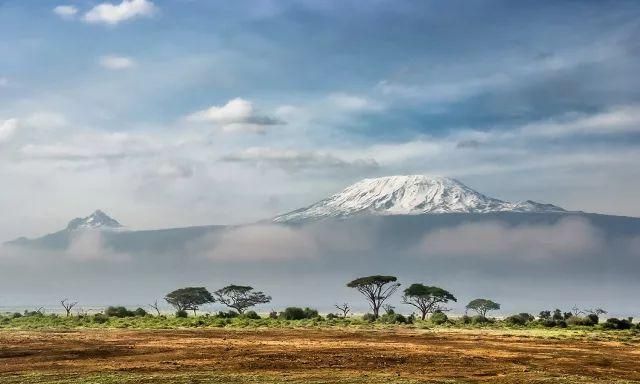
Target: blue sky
(185, 112)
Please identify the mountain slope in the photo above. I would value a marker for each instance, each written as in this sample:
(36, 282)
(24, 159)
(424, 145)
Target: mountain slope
(409, 195)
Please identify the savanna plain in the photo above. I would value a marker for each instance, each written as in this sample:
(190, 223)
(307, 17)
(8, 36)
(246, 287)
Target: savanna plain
(207, 350)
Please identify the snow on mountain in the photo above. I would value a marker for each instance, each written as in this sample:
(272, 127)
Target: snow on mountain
(409, 195)
(97, 220)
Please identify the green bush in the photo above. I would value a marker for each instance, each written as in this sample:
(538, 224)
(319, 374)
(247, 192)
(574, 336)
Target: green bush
(465, 319)
(182, 314)
(438, 318)
(332, 316)
(479, 320)
(123, 312)
(617, 324)
(520, 319)
(140, 312)
(273, 315)
(227, 315)
(100, 318)
(593, 318)
(577, 320)
(310, 313)
(392, 318)
(251, 315)
(369, 317)
(293, 313)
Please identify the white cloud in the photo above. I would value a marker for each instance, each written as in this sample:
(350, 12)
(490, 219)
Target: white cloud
(353, 102)
(8, 129)
(112, 14)
(296, 160)
(257, 243)
(94, 146)
(569, 237)
(65, 11)
(114, 62)
(236, 115)
(623, 119)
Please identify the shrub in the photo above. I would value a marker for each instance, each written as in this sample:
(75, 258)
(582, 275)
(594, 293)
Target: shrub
(369, 317)
(310, 313)
(181, 313)
(577, 320)
(16, 315)
(293, 313)
(478, 320)
(392, 318)
(227, 315)
(438, 318)
(100, 318)
(593, 318)
(118, 312)
(273, 315)
(251, 315)
(332, 316)
(140, 312)
(517, 320)
(617, 324)
(561, 324)
(465, 319)
(548, 323)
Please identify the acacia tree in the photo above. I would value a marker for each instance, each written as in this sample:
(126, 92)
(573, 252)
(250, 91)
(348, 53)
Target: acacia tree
(68, 305)
(376, 289)
(426, 299)
(482, 306)
(240, 297)
(344, 308)
(189, 298)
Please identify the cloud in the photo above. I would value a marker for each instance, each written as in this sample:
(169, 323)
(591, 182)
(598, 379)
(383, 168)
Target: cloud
(236, 115)
(174, 170)
(4, 82)
(470, 143)
(65, 11)
(94, 146)
(114, 62)
(257, 243)
(112, 14)
(89, 246)
(617, 120)
(569, 237)
(353, 102)
(296, 160)
(7, 129)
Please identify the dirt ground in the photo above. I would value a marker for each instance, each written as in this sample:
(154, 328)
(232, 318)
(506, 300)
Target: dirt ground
(313, 355)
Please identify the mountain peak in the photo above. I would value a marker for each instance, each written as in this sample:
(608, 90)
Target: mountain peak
(97, 220)
(409, 195)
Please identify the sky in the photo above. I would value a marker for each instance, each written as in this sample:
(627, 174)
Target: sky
(191, 112)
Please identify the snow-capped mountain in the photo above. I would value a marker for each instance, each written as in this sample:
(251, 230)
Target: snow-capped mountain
(410, 195)
(97, 220)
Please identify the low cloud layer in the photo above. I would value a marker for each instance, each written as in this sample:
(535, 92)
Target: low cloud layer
(568, 238)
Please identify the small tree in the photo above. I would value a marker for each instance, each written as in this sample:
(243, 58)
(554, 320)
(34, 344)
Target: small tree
(376, 289)
(68, 305)
(344, 308)
(426, 299)
(240, 297)
(156, 307)
(482, 306)
(190, 298)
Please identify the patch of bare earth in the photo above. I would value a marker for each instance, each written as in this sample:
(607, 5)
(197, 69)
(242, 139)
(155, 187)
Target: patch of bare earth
(471, 356)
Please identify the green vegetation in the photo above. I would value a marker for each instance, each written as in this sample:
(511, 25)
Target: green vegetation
(189, 299)
(427, 299)
(376, 289)
(240, 297)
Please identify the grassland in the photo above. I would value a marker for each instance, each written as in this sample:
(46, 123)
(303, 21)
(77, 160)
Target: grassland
(208, 349)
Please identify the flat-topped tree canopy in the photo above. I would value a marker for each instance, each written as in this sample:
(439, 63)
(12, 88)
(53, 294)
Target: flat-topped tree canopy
(189, 298)
(240, 297)
(376, 289)
(427, 299)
